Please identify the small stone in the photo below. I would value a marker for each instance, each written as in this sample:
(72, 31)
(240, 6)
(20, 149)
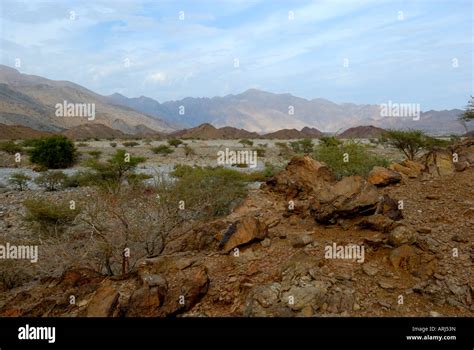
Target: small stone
(435, 314)
(266, 242)
(386, 285)
(299, 240)
(356, 307)
(433, 197)
(232, 279)
(370, 270)
(424, 230)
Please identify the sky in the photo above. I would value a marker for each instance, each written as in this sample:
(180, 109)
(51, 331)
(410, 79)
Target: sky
(358, 51)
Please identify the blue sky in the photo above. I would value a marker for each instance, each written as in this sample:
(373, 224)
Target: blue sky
(410, 51)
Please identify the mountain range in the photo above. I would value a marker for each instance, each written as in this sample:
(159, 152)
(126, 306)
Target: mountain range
(30, 100)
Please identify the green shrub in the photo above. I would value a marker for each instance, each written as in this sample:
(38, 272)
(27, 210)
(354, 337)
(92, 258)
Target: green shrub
(245, 142)
(162, 149)
(111, 174)
(303, 146)
(95, 154)
(54, 152)
(10, 147)
(260, 152)
(209, 191)
(175, 142)
(130, 143)
(19, 180)
(49, 217)
(30, 142)
(348, 159)
(80, 178)
(51, 180)
(329, 141)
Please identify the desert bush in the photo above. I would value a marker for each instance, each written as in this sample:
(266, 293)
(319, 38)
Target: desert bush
(348, 159)
(137, 180)
(246, 142)
(82, 144)
(30, 142)
(54, 152)
(130, 143)
(111, 174)
(113, 144)
(162, 149)
(213, 190)
(329, 141)
(10, 147)
(19, 180)
(51, 180)
(260, 152)
(95, 154)
(189, 151)
(50, 218)
(14, 274)
(302, 146)
(175, 142)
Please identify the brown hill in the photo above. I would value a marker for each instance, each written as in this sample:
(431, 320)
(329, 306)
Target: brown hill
(209, 132)
(286, 134)
(31, 101)
(20, 132)
(93, 131)
(362, 132)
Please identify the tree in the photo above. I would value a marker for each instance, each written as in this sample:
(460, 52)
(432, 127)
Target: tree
(54, 152)
(162, 149)
(175, 142)
(410, 142)
(112, 173)
(307, 145)
(468, 114)
(10, 147)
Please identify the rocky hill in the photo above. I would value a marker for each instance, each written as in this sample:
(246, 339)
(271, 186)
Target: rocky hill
(342, 248)
(20, 132)
(31, 101)
(209, 132)
(362, 132)
(92, 131)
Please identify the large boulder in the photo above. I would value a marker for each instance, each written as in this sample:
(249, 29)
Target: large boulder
(351, 196)
(439, 163)
(380, 176)
(405, 171)
(401, 235)
(302, 176)
(243, 231)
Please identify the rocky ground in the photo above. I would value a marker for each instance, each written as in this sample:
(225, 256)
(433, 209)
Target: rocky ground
(269, 257)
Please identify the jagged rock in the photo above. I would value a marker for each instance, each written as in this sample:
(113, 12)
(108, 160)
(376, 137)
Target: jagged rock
(299, 240)
(380, 176)
(144, 302)
(413, 165)
(377, 222)
(313, 294)
(411, 173)
(302, 176)
(439, 163)
(246, 230)
(349, 197)
(405, 257)
(370, 269)
(389, 207)
(401, 235)
(104, 301)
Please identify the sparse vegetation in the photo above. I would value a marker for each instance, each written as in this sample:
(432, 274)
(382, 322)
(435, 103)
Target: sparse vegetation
(19, 180)
(50, 218)
(113, 144)
(162, 149)
(305, 146)
(189, 151)
(130, 143)
(468, 114)
(54, 152)
(82, 144)
(111, 174)
(10, 147)
(175, 142)
(348, 159)
(95, 154)
(51, 180)
(246, 142)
